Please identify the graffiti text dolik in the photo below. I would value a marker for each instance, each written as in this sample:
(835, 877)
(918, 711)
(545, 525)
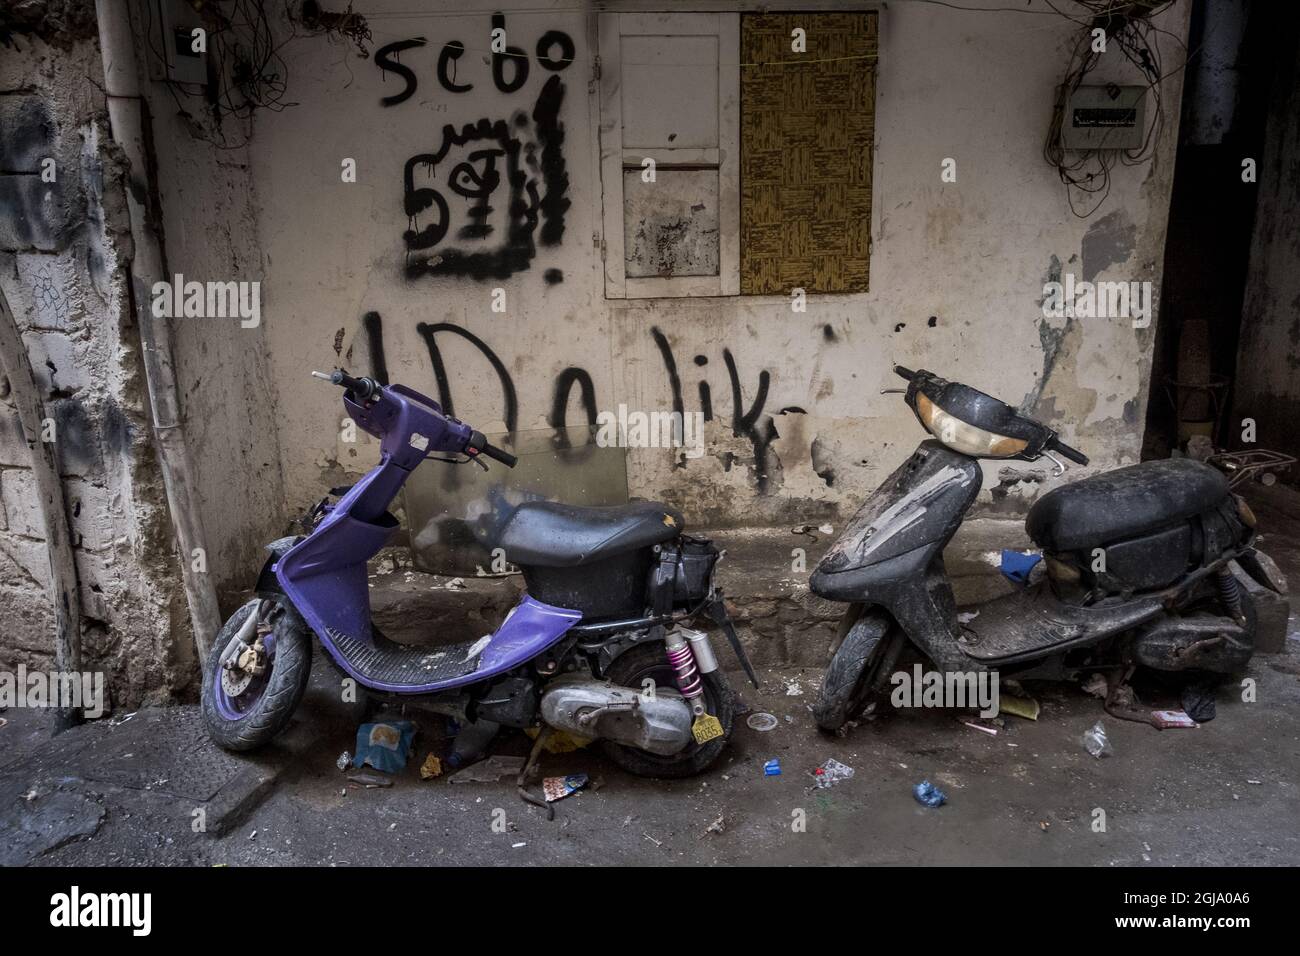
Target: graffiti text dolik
(750, 423)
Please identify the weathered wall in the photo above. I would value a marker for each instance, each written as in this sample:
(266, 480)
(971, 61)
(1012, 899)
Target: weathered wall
(227, 392)
(62, 266)
(1268, 366)
(957, 269)
(796, 429)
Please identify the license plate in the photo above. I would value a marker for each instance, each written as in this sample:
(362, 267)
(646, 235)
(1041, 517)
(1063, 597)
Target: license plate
(706, 728)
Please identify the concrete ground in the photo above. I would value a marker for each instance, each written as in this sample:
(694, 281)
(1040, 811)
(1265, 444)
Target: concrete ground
(137, 790)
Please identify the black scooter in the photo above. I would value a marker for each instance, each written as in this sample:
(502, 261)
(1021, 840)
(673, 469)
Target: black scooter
(1135, 566)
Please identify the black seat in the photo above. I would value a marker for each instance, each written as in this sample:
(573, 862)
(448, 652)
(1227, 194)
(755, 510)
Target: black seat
(550, 535)
(1124, 503)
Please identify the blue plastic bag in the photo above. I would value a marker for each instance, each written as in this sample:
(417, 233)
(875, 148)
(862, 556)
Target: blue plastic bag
(1016, 565)
(929, 795)
(384, 745)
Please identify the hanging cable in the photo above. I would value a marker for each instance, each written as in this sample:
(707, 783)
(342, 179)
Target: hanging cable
(1126, 26)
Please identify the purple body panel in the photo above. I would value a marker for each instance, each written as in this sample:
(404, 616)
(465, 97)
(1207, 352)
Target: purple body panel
(324, 575)
(530, 628)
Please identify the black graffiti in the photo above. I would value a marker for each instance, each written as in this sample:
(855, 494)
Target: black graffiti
(571, 376)
(510, 65)
(750, 423)
(476, 179)
(753, 424)
(549, 39)
(670, 365)
(555, 175)
(429, 333)
(706, 396)
(451, 52)
(513, 55)
(374, 327)
(384, 59)
(495, 162)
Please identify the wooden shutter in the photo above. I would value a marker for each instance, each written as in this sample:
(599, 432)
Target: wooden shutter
(807, 126)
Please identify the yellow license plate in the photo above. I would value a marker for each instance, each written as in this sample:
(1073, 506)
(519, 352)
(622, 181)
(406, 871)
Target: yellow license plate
(706, 728)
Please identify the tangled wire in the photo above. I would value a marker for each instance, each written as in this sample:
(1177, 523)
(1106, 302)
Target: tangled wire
(1127, 26)
(247, 72)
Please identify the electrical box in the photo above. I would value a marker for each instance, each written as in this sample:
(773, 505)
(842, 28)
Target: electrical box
(172, 43)
(1105, 117)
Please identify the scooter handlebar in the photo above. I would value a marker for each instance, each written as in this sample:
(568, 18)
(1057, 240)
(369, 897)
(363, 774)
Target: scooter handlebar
(479, 445)
(363, 388)
(1076, 456)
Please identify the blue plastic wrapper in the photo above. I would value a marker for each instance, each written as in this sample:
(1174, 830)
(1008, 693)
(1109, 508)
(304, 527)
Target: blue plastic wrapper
(929, 795)
(385, 746)
(772, 768)
(1016, 565)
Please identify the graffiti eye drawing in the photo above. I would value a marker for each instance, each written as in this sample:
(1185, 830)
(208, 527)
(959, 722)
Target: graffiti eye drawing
(475, 188)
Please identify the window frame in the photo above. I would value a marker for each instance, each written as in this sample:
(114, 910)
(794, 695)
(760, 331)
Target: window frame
(615, 158)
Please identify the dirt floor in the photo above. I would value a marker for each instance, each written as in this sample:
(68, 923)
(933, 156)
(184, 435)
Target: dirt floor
(138, 789)
(1225, 793)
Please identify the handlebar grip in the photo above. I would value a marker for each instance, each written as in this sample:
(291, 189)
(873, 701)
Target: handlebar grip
(364, 388)
(501, 455)
(1076, 456)
(902, 372)
(479, 445)
(341, 377)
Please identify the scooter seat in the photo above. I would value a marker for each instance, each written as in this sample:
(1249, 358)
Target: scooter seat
(1124, 503)
(552, 535)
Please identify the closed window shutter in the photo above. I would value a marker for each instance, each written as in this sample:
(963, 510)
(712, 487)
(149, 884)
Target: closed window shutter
(807, 127)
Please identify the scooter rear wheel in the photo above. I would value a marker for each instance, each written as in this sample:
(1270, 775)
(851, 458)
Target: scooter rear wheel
(249, 718)
(634, 666)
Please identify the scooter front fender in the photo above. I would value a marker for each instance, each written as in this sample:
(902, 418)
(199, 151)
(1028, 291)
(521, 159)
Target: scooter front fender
(268, 585)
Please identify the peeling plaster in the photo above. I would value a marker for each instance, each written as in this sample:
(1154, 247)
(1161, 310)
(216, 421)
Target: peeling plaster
(1108, 242)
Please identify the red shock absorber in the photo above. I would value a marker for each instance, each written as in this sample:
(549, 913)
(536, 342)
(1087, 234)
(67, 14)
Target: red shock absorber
(682, 658)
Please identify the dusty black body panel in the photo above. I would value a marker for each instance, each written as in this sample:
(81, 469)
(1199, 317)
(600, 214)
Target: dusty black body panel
(891, 554)
(267, 583)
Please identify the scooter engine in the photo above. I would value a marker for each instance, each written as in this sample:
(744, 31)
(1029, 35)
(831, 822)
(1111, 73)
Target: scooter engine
(660, 724)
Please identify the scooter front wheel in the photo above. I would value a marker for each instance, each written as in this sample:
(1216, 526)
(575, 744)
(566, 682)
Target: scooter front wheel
(849, 685)
(243, 710)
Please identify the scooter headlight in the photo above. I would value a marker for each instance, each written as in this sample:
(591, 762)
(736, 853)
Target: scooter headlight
(963, 437)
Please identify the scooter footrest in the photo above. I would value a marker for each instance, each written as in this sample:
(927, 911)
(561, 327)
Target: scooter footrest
(1030, 623)
(382, 661)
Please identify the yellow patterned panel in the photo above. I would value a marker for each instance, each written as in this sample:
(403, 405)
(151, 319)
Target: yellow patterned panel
(806, 129)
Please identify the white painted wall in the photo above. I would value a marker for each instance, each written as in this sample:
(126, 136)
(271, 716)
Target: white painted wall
(976, 87)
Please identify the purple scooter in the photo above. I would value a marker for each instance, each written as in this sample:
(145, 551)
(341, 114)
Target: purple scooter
(597, 647)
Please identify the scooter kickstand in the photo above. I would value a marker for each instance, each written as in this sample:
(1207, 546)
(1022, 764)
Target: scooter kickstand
(521, 782)
(717, 611)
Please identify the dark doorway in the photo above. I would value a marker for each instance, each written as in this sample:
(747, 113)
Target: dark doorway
(1240, 69)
